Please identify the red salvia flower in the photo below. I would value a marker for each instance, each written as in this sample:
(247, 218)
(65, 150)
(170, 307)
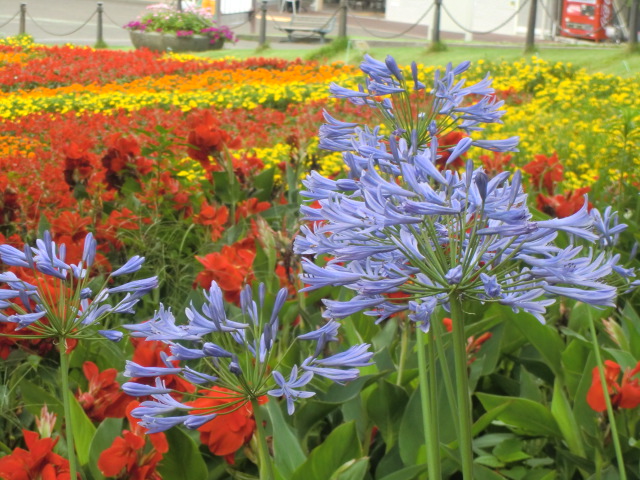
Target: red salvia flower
(130, 457)
(495, 162)
(78, 164)
(207, 140)
(251, 206)
(104, 398)
(625, 394)
(37, 462)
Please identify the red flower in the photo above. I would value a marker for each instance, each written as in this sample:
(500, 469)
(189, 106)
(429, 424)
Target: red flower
(206, 140)
(104, 399)
(216, 218)
(450, 140)
(228, 432)
(37, 462)
(545, 172)
(127, 458)
(251, 206)
(78, 164)
(625, 394)
(562, 206)
(495, 163)
(149, 353)
(229, 268)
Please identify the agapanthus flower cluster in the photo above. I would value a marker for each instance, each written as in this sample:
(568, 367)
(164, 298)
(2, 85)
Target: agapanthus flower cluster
(400, 225)
(240, 355)
(56, 299)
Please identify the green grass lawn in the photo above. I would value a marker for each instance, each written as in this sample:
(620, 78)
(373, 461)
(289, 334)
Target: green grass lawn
(612, 59)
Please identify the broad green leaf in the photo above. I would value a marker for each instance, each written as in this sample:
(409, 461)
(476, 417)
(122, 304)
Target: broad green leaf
(287, 452)
(342, 393)
(510, 450)
(183, 461)
(545, 339)
(352, 470)
(489, 461)
(385, 406)
(106, 433)
(527, 416)
(264, 184)
(83, 431)
(409, 473)
(35, 397)
(561, 411)
(483, 473)
(341, 446)
(411, 430)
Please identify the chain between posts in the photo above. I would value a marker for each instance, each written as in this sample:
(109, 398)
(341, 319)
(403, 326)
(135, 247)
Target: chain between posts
(407, 30)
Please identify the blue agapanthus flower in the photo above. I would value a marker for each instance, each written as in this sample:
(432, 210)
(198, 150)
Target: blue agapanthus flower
(76, 310)
(399, 224)
(239, 353)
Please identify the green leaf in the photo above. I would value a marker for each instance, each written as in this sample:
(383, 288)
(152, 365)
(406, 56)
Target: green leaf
(483, 473)
(526, 415)
(83, 430)
(264, 184)
(338, 448)
(35, 397)
(561, 411)
(411, 430)
(352, 470)
(510, 450)
(343, 393)
(287, 452)
(546, 340)
(385, 406)
(183, 461)
(408, 473)
(106, 433)
(489, 461)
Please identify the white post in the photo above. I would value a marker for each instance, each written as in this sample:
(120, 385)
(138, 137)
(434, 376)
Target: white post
(468, 36)
(318, 5)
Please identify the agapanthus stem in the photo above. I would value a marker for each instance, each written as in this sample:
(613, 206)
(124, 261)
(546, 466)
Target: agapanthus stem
(265, 466)
(404, 341)
(462, 386)
(429, 412)
(66, 401)
(603, 382)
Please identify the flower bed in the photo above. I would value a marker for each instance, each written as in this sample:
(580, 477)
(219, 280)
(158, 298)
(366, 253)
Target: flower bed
(197, 165)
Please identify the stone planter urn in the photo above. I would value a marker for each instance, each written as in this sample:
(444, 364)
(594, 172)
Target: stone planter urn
(161, 42)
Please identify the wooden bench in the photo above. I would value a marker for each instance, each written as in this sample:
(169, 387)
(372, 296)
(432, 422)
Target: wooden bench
(308, 26)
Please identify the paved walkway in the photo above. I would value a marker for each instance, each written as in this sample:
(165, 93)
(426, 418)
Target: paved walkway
(76, 23)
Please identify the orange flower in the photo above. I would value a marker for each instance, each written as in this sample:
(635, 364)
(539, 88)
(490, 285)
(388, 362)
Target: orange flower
(37, 462)
(128, 458)
(251, 206)
(206, 140)
(495, 162)
(232, 428)
(625, 394)
(104, 398)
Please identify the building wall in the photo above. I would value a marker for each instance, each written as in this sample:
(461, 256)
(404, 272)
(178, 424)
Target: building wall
(476, 15)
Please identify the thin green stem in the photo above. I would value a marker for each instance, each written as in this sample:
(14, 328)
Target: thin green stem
(404, 341)
(266, 466)
(431, 434)
(66, 401)
(603, 382)
(462, 386)
(438, 336)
